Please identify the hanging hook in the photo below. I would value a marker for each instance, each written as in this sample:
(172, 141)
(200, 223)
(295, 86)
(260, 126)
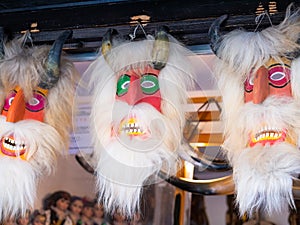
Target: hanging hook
(260, 18)
(133, 35)
(27, 35)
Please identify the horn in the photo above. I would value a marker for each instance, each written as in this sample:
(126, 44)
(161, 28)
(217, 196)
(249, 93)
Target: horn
(53, 61)
(86, 162)
(1, 43)
(160, 51)
(296, 188)
(214, 33)
(107, 41)
(202, 161)
(217, 186)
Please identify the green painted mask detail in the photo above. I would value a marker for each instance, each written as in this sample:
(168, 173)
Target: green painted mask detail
(149, 84)
(123, 85)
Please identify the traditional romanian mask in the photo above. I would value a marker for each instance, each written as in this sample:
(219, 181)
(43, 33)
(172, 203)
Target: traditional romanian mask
(258, 76)
(140, 88)
(37, 88)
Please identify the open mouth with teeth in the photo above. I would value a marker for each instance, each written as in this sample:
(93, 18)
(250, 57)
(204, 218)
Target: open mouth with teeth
(131, 128)
(10, 147)
(268, 136)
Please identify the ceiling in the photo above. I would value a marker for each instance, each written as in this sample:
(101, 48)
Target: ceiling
(188, 20)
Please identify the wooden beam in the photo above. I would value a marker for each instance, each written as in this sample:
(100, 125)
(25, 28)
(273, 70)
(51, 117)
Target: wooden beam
(216, 139)
(203, 99)
(204, 116)
(188, 20)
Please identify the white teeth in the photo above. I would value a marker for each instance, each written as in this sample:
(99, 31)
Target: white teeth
(12, 144)
(132, 128)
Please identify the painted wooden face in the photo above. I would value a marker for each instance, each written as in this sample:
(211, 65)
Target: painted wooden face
(16, 109)
(134, 88)
(270, 79)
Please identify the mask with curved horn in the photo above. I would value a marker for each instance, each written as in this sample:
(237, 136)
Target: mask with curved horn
(36, 121)
(141, 119)
(262, 146)
(214, 33)
(52, 63)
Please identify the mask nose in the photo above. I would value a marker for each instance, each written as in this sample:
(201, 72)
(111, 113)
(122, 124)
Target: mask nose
(134, 93)
(261, 85)
(16, 110)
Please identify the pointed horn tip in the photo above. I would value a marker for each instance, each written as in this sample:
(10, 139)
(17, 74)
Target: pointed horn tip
(110, 33)
(217, 22)
(165, 29)
(67, 34)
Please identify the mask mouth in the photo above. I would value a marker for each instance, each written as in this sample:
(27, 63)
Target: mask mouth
(132, 128)
(10, 147)
(268, 136)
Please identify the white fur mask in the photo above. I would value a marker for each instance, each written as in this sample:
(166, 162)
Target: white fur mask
(263, 173)
(125, 163)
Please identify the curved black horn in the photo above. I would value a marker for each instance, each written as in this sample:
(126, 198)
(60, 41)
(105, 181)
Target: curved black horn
(1, 43)
(212, 165)
(296, 188)
(217, 186)
(53, 61)
(214, 33)
(84, 163)
(107, 41)
(202, 161)
(160, 51)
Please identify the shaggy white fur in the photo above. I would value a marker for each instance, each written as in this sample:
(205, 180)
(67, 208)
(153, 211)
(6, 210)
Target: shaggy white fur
(263, 174)
(125, 163)
(23, 66)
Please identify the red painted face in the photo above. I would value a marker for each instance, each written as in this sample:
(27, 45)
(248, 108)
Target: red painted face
(16, 109)
(272, 79)
(143, 87)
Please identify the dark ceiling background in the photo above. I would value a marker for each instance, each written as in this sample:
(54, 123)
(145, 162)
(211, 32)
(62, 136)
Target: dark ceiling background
(188, 20)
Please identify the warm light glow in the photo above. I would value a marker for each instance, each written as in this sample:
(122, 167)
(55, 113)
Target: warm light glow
(142, 19)
(188, 170)
(198, 144)
(260, 9)
(272, 7)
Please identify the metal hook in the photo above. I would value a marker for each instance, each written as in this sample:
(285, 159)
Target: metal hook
(260, 18)
(139, 25)
(27, 36)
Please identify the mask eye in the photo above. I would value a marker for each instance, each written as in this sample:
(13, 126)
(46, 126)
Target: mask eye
(279, 75)
(37, 103)
(248, 85)
(123, 85)
(149, 84)
(9, 99)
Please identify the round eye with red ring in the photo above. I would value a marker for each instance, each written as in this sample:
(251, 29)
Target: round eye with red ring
(249, 82)
(279, 75)
(37, 102)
